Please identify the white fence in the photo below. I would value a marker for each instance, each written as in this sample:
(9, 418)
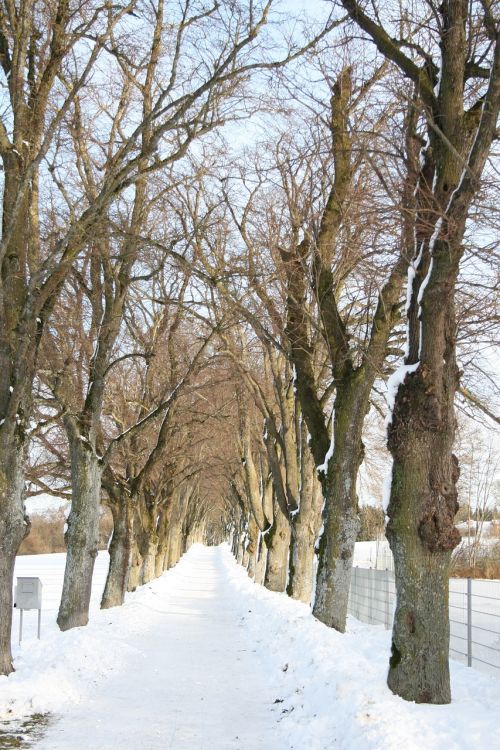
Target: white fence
(372, 596)
(474, 613)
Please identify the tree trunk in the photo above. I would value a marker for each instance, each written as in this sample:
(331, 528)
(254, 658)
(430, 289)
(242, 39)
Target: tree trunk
(246, 544)
(120, 553)
(144, 548)
(14, 526)
(15, 376)
(422, 534)
(336, 548)
(252, 549)
(267, 504)
(340, 517)
(260, 560)
(149, 559)
(241, 549)
(134, 577)
(159, 561)
(304, 532)
(278, 544)
(241, 542)
(162, 548)
(82, 535)
(174, 546)
(234, 542)
(244, 556)
(173, 553)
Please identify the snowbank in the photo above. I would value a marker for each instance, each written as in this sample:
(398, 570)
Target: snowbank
(333, 685)
(64, 668)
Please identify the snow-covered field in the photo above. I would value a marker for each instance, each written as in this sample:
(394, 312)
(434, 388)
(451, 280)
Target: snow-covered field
(203, 658)
(41, 505)
(376, 555)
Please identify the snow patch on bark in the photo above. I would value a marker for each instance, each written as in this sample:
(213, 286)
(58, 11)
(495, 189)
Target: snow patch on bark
(397, 378)
(322, 527)
(323, 468)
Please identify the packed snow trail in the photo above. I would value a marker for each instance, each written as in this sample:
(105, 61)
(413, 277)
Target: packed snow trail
(194, 682)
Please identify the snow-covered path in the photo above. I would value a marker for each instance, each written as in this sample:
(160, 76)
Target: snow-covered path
(193, 683)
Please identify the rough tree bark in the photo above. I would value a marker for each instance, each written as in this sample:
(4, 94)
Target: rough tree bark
(120, 553)
(82, 535)
(161, 553)
(305, 527)
(14, 526)
(277, 541)
(340, 516)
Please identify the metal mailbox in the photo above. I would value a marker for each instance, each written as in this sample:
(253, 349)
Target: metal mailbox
(28, 593)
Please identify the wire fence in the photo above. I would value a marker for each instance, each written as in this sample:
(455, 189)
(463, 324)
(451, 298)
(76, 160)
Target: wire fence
(474, 613)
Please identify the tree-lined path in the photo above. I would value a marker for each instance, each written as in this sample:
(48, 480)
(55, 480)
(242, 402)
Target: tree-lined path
(195, 680)
(248, 287)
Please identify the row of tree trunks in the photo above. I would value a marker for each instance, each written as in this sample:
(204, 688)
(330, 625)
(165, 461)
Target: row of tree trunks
(282, 557)
(276, 543)
(143, 545)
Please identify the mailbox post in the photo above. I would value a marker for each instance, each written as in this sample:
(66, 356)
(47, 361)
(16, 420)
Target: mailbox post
(28, 595)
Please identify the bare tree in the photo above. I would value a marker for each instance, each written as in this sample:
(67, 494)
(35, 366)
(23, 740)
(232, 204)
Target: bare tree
(36, 46)
(457, 75)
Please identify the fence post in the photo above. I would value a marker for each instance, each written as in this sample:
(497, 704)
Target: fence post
(371, 585)
(355, 592)
(358, 595)
(387, 601)
(469, 622)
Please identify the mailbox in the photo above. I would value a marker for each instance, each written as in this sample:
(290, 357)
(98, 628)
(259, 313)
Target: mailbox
(28, 593)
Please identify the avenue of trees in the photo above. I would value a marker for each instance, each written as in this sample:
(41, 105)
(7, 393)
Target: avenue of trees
(233, 241)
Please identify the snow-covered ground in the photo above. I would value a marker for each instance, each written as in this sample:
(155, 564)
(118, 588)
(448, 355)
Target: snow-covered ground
(204, 658)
